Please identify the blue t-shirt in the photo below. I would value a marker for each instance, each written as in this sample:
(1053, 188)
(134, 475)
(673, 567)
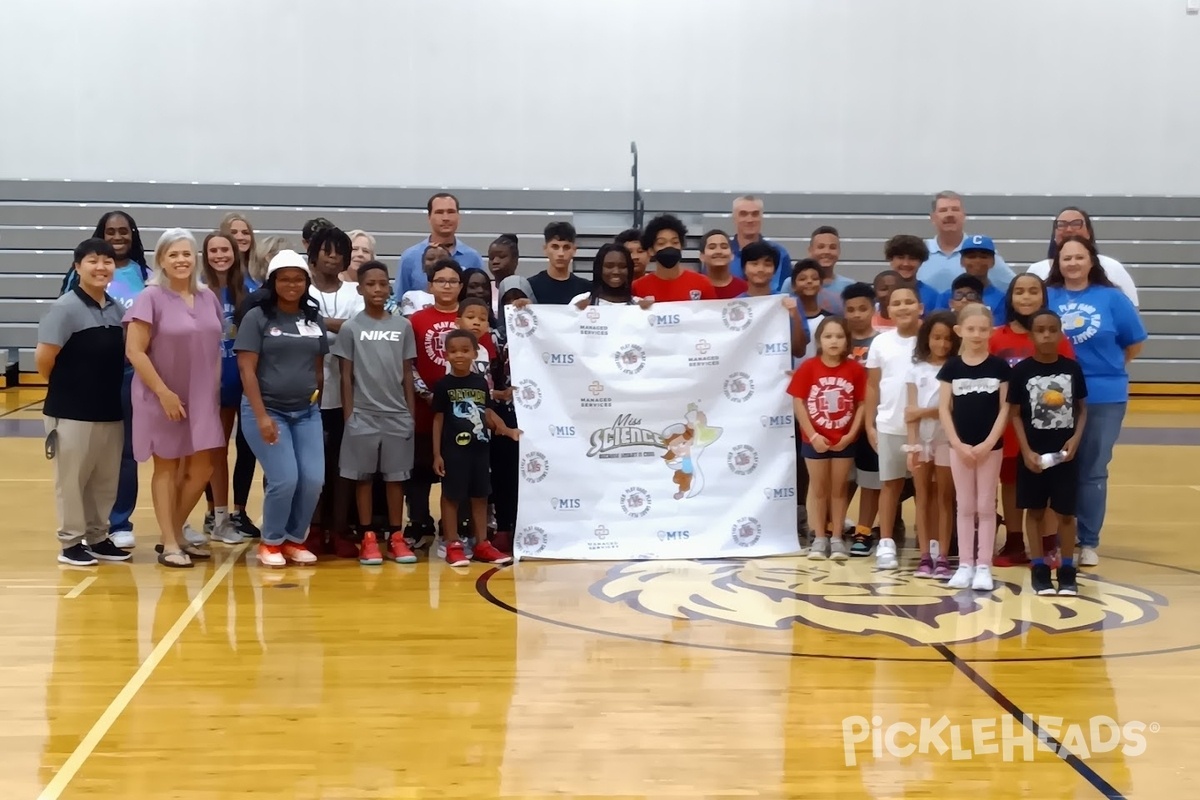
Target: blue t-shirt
(1101, 323)
(127, 283)
(829, 299)
(993, 298)
(928, 297)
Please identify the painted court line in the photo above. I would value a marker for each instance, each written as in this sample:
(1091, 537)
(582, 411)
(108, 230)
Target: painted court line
(99, 730)
(80, 588)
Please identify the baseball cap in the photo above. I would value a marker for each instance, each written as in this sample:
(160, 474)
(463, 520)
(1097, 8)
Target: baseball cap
(979, 243)
(287, 258)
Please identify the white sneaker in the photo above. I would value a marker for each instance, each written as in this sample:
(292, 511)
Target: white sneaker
(123, 540)
(226, 533)
(982, 582)
(193, 536)
(837, 549)
(819, 550)
(962, 578)
(885, 554)
(1088, 557)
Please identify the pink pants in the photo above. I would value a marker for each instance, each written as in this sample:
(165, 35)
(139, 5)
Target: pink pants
(975, 491)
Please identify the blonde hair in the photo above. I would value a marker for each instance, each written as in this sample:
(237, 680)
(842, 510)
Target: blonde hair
(975, 310)
(268, 249)
(168, 238)
(253, 263)
(354, 234)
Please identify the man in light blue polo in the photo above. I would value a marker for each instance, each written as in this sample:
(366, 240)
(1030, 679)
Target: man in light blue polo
(747, 221)
(945, 249)
(442, 209)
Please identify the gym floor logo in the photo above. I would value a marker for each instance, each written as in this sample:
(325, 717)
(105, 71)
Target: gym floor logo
(635, 502)
(742, 460)
(739, 387)
(531, 540)
(522, 322)
(737, 315)
(630, 359)
(528, 394)
(780, 593)
(534, 467)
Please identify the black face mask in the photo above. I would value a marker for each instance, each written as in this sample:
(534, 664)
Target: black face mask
(668, 257)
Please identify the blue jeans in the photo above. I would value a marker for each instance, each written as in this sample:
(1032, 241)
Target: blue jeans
(294, 468)
(127, 482)
(1095, 451)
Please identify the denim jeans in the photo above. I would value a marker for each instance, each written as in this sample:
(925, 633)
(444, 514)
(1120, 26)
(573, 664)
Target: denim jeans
(127, 484)
(294, 468)
(1095, 451)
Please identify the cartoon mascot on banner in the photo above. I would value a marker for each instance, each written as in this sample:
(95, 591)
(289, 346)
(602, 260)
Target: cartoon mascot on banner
(685, 442)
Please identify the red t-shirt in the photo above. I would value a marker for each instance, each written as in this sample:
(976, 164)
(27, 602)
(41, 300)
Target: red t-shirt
(830, 395)
(430, 327)
(1014, 348)
(735, 288)
(688, 286)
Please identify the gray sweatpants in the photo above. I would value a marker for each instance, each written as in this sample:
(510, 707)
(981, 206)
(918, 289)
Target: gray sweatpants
(87, 466)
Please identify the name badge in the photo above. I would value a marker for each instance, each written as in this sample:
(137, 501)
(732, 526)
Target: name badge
(308, 329)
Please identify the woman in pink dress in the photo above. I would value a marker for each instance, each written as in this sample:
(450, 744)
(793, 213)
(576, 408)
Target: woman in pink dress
(173, 341)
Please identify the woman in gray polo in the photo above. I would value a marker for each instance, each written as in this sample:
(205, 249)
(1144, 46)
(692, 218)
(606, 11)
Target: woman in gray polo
(81, 353)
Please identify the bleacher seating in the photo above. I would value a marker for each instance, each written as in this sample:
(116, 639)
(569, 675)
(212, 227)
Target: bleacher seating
(1157, 238)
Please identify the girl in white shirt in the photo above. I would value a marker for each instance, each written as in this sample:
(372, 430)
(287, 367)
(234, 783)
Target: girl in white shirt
(928, 448)
(1072, 221)
(612, 280)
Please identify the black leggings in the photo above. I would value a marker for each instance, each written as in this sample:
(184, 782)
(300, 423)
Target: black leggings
(506, 459)
(243, 468)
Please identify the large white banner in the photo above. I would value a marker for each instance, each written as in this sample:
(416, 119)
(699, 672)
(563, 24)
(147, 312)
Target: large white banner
(660, 433)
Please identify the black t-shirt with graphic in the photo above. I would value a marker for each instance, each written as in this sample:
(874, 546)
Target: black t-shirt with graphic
(977, 400)
(1049, 395)
(462, 402)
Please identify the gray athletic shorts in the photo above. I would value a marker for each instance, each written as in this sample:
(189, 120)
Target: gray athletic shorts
(374, 444)
(893, 461)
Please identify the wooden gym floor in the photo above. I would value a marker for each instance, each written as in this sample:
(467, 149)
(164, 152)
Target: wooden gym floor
(681, 679)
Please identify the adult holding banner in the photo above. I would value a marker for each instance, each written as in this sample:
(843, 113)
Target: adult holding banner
(657, 433)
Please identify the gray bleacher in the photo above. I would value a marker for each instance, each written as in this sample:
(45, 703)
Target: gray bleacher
(1158, 239)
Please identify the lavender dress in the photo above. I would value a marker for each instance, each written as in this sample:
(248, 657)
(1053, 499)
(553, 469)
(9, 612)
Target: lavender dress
(185, 349)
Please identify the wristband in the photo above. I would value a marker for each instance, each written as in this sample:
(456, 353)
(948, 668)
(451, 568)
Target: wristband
(913, 448)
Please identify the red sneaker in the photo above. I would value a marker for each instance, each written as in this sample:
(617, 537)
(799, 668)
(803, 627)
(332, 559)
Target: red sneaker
(485, 551)
(344, 548)
(368, 551)
(456, 555)
(1011, 555)
(298, 554)
(398, 549)
(269, 555)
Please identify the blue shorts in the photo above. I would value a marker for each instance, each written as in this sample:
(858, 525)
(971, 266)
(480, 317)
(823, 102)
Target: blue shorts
(807, 451)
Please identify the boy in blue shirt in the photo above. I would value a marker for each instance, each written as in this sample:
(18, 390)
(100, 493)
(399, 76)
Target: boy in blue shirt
(978, 256)
(905, 254)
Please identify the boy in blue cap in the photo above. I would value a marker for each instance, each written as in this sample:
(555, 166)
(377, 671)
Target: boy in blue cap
(978, 256)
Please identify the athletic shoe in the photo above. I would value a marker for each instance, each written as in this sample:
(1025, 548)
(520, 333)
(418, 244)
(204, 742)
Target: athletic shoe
(123, 539)
(466, 546)
(819, 551)
(210, 522)
(226, 533)
(962, 578)
(193, 536)
(503, 541)
(107, 551)
(269, 555)
(456, 555)
(1039, 577)
(885, 554)
(1066, 582)
(1011, 555)
(487, 553)
(344, 548)
(861, 548)
(314, 540)
(398, 549)
(837, 549)
(245, 525)
(941, 569)
(925, 568)
(77, 556)
(298, 554)
(1088, 557)
(368, 551)
(982, 582)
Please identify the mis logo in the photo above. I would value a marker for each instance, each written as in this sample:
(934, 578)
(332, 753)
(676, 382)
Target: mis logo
(773, 348)
(562, 431)
(674, 536)
(779, 492)
(565, 504)
(664, 320)
(558, 359)
(777, 421)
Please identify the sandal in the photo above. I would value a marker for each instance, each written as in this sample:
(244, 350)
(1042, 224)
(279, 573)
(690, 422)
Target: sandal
(176, 559)
(188, 550)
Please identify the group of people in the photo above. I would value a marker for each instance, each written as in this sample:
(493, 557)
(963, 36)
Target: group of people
(344, 383)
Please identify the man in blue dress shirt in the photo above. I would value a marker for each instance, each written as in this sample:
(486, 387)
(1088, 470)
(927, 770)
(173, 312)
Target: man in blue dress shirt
(442, 209)
(945, 249)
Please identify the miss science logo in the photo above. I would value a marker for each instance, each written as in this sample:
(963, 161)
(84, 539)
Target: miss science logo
(627, 437)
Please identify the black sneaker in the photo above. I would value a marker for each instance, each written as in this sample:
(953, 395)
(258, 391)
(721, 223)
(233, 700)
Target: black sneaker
(245, 525)
(107, 551)
(1040, 578)
(1066, 581)
(77, 556)
(861, 548)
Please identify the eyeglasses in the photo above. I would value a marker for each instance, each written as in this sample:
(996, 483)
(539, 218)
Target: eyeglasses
(966, 294)
(1069, 224)
(446, 282)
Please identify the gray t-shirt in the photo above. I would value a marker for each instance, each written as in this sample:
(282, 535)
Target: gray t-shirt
(379, 349)
(288, 347)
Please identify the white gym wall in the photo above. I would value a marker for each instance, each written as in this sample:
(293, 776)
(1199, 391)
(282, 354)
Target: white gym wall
(1006, 96)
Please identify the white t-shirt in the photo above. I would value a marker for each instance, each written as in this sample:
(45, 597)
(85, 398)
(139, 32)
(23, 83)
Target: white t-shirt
(1114, 269)
(414, 301)
(600, 301)
(923, 375)
(811, 349)
(345, 303)
(891, 354)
